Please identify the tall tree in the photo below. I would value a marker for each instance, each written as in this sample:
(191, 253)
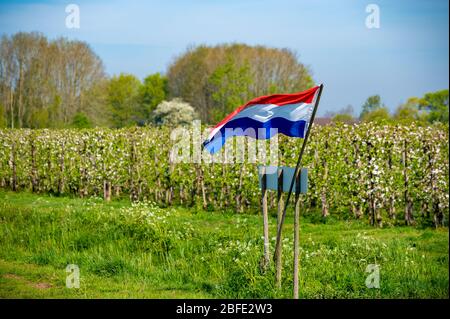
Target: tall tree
(44, 83)
(344, 115)
(123, 94)
(8, 71)
(409, 112)
(194, 76)
(3, 121)
(372, 103)
(379, 114)
(231, 86)
(152, 92)
(437, 105)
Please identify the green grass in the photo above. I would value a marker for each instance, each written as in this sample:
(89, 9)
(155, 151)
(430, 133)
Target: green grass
(143, 251)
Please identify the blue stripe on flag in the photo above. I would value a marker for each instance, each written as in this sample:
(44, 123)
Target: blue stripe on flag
(261, 130)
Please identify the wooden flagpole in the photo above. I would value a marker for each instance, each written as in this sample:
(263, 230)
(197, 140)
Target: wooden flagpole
(296, 174)
(266, 260)
(296, 237)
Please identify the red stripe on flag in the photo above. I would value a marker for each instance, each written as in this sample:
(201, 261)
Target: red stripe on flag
(277, 99)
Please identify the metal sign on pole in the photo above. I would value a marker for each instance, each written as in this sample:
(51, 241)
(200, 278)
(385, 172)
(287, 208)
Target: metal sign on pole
(272, 182)
(277, 179)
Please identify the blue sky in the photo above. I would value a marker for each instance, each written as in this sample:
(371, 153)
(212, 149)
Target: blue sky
(407, 56)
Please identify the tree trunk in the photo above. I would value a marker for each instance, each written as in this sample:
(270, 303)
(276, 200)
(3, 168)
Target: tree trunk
(392, 196)
(107, 190)
(438, 216)
(33, 167)
(239, 207)
(202, 185)
(377, 213)
(19, 108)
(357, 211)
(409, 220)
(49, 172)
(181, 194)
(12, 165)
(266, 259)
(392, 207)
(61, 170)
(323, 198)
(134, 196)
(425, 212)
(117, 190)
(323, 195)
(12, 106)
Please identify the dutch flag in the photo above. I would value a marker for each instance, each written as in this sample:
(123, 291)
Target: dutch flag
(265, 116)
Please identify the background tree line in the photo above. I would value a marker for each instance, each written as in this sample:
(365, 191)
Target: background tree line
(432, 107)
(47, 83)
(215, 80)
(62, 83)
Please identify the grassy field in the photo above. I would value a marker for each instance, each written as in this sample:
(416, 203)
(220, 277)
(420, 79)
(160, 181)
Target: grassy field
(143, 251)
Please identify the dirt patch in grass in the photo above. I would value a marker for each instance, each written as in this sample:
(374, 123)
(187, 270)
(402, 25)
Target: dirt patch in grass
(42, 285)
(12, 276)
(39, 285)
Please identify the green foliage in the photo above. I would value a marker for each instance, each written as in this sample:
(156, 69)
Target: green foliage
(80, 120)
(3, 121)
(123, 96)
(410, 112)
(378, 115)
(343, 118)
(39, 118)
(432, 107)
(405, 114)
(139, 250)
(44, 82)
(151, 93)
(344, 115)
(54, 113)
(372, 103)
(217, 79)
(437, 104)
(231, 87)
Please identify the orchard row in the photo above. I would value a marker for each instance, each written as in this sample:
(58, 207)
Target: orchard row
(383, 173)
